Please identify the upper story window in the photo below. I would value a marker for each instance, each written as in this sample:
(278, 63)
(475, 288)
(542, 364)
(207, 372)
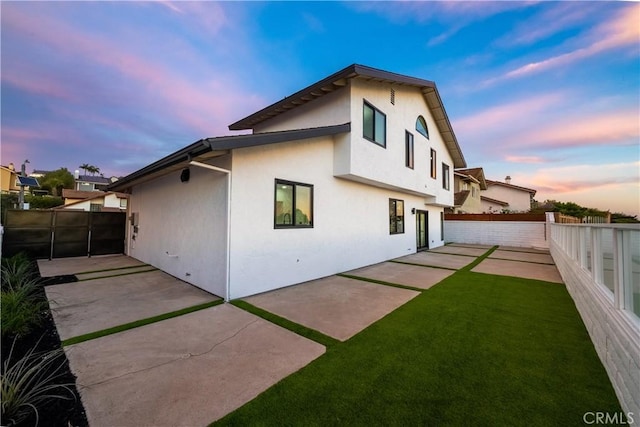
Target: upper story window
(445, 177)
(433, 164)
(421, 126)
(374, 124)
(408, 142)
(293, 205)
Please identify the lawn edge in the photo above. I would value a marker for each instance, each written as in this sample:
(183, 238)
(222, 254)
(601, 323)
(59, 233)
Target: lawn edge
(297, 328)
(381, 282)
(138, 323)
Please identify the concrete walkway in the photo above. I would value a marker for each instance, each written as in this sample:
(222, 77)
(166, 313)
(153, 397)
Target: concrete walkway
(195, 368)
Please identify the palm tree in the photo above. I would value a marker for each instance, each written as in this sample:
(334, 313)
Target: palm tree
(85, 167)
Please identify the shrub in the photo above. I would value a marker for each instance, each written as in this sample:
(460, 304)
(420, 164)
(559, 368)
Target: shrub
(17, 271)
(22, 310)
(29, 383)
(21, 304)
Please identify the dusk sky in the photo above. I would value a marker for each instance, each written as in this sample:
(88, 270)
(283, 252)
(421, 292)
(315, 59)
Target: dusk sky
(546, 92)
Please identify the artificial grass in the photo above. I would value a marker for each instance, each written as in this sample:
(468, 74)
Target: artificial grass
(309, 333)
(380, 282)
(475, 349)
(115, 275)
(138, 323)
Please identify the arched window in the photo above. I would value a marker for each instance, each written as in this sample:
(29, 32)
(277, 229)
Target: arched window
(421, 126)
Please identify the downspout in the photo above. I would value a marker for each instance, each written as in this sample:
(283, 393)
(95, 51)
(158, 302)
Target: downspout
(228, 269)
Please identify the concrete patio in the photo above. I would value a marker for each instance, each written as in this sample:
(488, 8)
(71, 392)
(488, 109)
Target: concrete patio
(195, 368)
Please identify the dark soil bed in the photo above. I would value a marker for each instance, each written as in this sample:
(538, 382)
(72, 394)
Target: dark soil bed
(58, 412)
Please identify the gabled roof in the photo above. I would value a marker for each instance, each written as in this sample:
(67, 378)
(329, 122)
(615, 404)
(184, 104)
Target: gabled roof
(93, 195)
(477, 174)
(496, 201)
(222, 145)
(93, 179)
(339, 80)
(68, 193)
(460, 197)
(515, 187)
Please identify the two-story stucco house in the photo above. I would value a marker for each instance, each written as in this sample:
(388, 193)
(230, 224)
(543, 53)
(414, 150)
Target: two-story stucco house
(506, 197)
(352, 170)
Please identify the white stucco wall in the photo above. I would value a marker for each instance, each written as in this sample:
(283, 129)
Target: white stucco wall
(182, 227)
(330, 109)
(385, 166)
(351, 220)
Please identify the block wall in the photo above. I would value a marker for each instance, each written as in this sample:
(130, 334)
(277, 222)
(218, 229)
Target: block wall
(505, 233)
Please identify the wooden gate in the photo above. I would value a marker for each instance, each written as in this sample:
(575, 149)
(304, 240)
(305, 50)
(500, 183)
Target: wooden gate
(60, 233)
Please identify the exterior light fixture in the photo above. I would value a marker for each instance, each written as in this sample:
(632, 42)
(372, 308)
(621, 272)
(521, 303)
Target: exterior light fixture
(185, 175)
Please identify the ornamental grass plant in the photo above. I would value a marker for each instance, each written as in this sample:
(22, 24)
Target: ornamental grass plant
(28, 383)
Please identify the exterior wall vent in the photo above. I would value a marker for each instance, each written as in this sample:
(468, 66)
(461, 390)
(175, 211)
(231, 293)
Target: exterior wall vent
(393, 96)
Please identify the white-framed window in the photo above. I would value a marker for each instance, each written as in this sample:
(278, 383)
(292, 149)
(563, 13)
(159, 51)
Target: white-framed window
(421, 127)
(445, 177)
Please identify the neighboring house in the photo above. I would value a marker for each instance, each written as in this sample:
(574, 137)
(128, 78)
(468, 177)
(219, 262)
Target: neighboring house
(39, 173)
(94, 201)
(353, 170)
(9, 179)
(504, 196)
(468, 184)
(91, 183)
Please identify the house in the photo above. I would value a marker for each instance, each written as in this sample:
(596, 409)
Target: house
(352, 170)
(468, 184)
(91, 183)
(9, 179)
(506, 197)
(95, 201)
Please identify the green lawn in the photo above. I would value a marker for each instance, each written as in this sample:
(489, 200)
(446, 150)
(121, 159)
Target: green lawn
(475, 349)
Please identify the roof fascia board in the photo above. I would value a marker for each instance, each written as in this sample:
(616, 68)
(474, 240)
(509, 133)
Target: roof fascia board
(253, 140)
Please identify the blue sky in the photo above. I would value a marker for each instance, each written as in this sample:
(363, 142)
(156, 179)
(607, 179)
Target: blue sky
(546, 92)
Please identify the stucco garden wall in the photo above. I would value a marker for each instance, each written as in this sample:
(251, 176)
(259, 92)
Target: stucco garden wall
(507, 233)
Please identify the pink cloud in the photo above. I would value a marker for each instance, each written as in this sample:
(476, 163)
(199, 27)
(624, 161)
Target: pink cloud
(506, 115)
(613, 186)
(525, 159)
(205, 106)
(621, 127)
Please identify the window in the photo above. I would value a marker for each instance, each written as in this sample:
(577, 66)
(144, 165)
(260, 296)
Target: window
(408, 142)
(445, 176)
(95, 207)
(421, 127)
(374, 125)
(396, 216)
(293, 205)
(433, 163)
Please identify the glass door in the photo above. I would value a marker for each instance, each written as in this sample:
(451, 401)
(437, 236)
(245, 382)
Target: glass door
(422, 229)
